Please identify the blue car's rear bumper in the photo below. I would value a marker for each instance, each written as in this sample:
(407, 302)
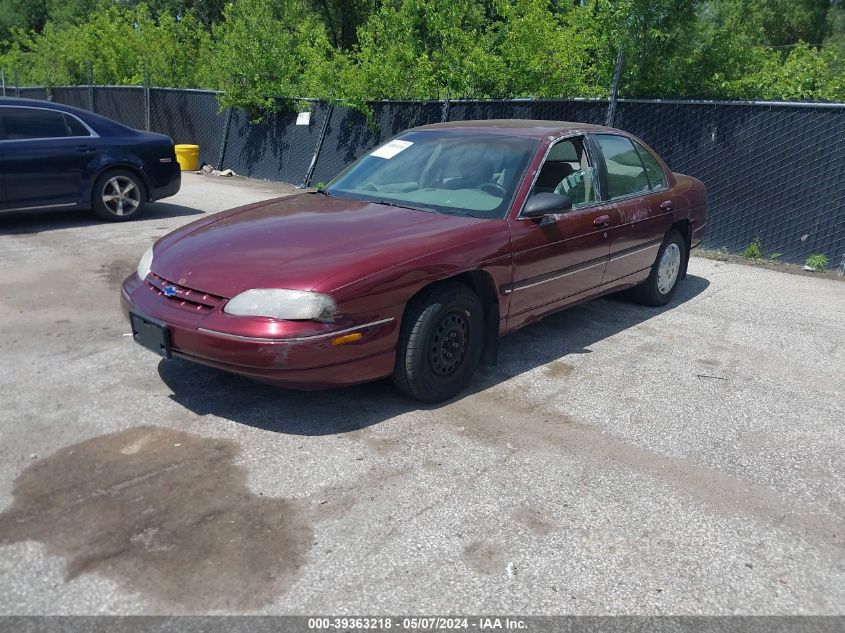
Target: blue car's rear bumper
(170, 189)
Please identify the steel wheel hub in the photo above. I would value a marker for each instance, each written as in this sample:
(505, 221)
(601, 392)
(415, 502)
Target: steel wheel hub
(448, 346)
(121, 196)
(668, 269)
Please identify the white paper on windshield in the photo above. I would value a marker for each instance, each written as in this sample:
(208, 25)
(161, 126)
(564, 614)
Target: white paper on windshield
(303, 118)
(389, 150)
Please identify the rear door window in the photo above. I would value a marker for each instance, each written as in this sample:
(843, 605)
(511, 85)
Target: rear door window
(75, 126)
(32, 123)
(656, 177)
(625, 173)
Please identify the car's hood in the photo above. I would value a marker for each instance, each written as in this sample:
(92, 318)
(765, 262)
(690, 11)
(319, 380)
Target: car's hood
(299, 242)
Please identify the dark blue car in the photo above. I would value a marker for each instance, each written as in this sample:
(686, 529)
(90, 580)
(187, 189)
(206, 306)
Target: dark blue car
(58, 157)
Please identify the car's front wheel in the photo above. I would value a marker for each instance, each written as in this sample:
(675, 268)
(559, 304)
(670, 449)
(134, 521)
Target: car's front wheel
(666, 272)
(440, 343)
(118, 195)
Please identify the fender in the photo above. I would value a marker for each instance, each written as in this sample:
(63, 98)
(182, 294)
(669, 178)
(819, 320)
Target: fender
(108, 160)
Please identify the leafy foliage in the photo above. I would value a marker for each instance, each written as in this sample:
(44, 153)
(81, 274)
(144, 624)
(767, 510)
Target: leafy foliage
(753, 250)
(267, 48)
(121, 46)
(817, 262)
(360, 50)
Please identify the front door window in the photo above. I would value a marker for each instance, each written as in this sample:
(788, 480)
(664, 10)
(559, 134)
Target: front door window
(567, 171)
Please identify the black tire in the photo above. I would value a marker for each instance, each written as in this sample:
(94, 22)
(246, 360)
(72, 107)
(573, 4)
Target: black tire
(440, 343)
(649, 292)
(118, 210)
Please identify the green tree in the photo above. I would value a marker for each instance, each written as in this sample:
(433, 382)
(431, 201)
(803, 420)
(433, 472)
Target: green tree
(786, 22)
(265, 49)
(655, 36)
(207, 12)
(62, 12)
(124, 47)
(27, 15)
(358, 50)
(343, 18)
(546, 53)
(417, 49)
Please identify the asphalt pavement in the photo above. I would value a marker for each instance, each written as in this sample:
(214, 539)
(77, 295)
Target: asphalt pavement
(619, 459)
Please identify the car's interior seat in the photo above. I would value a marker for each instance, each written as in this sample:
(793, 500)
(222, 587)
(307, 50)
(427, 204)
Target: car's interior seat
(552, 173)
(473, 174)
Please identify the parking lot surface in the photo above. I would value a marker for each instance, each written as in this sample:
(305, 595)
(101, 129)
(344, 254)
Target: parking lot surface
(618, 459)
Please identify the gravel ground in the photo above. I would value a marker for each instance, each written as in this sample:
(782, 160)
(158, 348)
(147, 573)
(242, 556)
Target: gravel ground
(618, 460)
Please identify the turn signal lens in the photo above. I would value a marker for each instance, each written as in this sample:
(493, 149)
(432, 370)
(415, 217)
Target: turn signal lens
(347, 338)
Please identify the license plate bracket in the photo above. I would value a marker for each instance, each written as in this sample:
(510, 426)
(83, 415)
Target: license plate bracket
(151, 333)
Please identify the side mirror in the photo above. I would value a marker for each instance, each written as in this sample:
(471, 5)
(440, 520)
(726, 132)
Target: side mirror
(541, 204)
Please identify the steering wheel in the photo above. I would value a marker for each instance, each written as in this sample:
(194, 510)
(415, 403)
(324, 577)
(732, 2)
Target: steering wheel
(371, 186)
(494, 189)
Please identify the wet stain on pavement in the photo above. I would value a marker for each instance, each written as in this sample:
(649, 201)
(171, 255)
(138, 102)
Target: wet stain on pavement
(707, 362)
(533, 520)
(165, 513)
(115, 272)
(558, 369)
(485, 558)
(495, 419)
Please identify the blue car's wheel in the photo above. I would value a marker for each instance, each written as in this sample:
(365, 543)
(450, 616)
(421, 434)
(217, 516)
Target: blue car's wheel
(118, 195)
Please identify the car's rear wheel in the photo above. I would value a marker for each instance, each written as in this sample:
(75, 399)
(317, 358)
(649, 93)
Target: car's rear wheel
(666, 272)
(118, 195)
(440, 343)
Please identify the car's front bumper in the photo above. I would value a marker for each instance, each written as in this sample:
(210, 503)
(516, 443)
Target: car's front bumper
(306, 359)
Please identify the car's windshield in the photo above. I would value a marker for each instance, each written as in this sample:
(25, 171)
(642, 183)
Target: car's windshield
(447, 171)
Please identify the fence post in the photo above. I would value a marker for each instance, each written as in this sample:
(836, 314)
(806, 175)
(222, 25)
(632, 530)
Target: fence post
(146, 101)
(3, 76)
(614, 93)
(447, 105)
(317, 149)
(225, 138)
(90, 72)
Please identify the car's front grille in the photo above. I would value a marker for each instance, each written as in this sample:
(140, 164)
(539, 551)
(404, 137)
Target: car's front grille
(193, 300)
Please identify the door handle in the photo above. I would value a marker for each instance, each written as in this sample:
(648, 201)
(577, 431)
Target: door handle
(667, 205)
(602, 220)
(83, 148)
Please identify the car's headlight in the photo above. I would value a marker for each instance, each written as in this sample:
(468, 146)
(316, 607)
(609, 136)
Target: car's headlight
(293, 305)
(146, 263)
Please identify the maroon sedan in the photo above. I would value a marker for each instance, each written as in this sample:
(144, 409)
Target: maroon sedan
(419, 256)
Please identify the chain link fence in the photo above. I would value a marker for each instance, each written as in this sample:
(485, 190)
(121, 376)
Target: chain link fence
(190, 116)
(775, 172)
(349, 134)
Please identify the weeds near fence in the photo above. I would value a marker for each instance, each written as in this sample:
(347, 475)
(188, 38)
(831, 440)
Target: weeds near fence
(817, 262)
(753, 250)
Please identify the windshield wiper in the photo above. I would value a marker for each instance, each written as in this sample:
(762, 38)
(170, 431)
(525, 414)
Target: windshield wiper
(390, 203)
(323, 192)
(452, 211)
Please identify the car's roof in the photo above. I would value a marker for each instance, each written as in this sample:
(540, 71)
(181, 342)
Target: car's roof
(534, 128)
(39, 103)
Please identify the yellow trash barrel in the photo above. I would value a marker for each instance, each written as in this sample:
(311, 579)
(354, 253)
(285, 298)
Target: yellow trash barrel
(188, 157)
